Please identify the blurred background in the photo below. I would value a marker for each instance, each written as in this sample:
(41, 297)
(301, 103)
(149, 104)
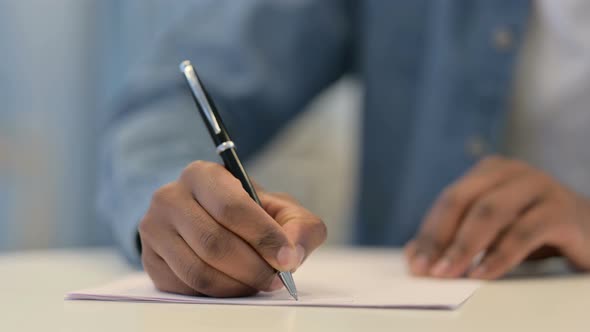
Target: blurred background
(60, 63)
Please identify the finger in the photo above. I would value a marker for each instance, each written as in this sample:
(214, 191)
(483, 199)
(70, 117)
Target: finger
(410, 252)
(304, 229)
(196, 273)
(222, 249)
(223, 197)
(529, 233)
(163, 278)
(487, 217)
(443, 219)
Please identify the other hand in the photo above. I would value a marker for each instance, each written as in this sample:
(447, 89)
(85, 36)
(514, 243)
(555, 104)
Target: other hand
(506, 210)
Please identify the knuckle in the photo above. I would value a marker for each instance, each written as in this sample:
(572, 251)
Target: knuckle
(460, 249)
(164, 202)
(163, 196)
(451, 199)
(198, 278)
(215, 244)
(485, 209)
(199, 167)
(192, 214)
(233, 206)
(147, 229)
(143, 227)
(196, 166)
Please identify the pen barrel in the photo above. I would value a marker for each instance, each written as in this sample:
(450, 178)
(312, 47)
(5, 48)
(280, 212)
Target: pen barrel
(222, 136)
(218, 135)
(234, 166)
(217, 130)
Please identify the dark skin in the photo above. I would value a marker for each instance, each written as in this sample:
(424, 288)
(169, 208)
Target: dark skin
(508, 210)
(203, 234)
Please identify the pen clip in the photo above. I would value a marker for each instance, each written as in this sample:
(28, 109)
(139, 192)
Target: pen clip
(193, 81)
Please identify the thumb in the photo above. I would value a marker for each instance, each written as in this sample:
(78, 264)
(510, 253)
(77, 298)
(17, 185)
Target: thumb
(306, 236)
(304, 230)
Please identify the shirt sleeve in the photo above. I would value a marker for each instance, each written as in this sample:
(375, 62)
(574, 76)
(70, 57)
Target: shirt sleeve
(261, 60)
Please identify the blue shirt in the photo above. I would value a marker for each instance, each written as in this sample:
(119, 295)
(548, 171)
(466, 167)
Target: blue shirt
(433, 81)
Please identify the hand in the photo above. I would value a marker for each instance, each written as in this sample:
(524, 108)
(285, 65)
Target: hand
(204, 235)
(507, 210)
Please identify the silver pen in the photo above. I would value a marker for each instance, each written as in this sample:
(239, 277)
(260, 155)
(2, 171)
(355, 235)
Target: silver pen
(225, 147)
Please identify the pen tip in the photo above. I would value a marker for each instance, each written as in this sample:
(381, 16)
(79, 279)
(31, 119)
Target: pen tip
(184, 64)
(287, 280)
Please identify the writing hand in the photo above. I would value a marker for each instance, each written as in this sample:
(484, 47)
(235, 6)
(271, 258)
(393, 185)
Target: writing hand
(204, 235)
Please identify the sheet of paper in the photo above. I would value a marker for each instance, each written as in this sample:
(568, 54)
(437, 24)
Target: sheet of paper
(330, 278)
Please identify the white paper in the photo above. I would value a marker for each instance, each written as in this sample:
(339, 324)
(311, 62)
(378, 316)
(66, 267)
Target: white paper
(330, 278)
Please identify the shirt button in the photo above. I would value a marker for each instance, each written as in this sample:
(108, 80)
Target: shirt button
(502, 39)
(476, 147)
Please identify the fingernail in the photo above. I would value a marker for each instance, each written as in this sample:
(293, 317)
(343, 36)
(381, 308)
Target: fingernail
(276, 284)
(479, 272)
(300, 254)
(288, 258)
(420, 264)
(441, 268)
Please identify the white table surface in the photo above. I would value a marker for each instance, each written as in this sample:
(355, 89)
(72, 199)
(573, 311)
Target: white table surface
(33, 284)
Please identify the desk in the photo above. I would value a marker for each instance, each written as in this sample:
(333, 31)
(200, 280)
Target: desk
(33, 285)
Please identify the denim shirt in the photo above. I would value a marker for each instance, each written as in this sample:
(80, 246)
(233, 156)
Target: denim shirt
(436, 78)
